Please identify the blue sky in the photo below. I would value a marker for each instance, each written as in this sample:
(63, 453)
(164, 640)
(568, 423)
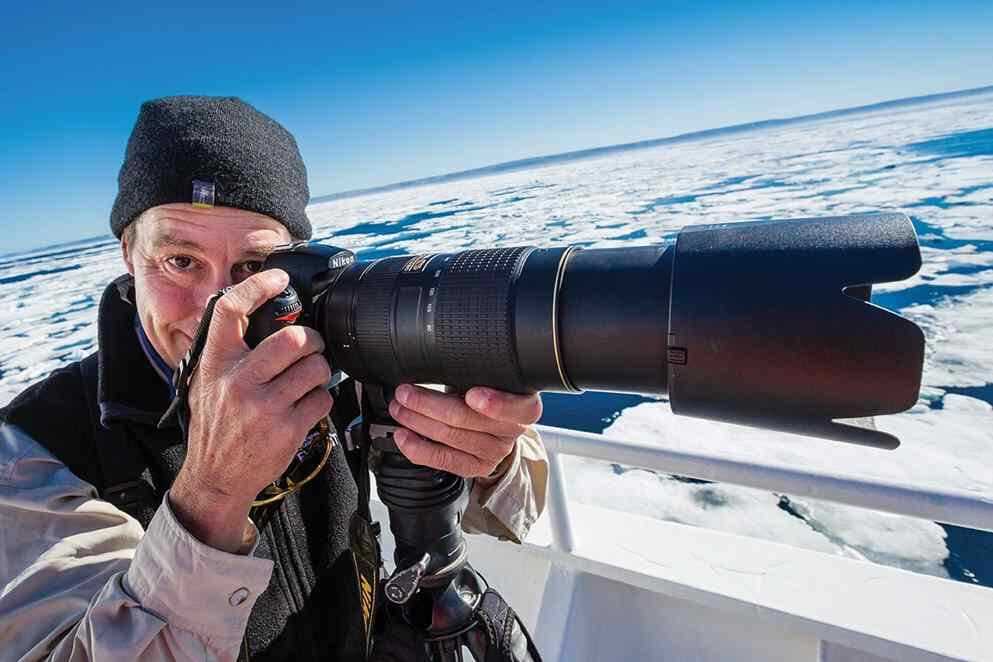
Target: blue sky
(409, 90)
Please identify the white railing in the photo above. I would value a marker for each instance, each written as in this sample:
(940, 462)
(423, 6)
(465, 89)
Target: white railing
(940, 505)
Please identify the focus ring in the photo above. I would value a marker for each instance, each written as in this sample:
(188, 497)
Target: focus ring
(474, 320)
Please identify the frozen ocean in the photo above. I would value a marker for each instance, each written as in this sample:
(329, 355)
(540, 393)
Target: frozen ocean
(932, 160)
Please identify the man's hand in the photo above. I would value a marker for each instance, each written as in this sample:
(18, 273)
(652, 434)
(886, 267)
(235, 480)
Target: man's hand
(467, 436)
(249, 412)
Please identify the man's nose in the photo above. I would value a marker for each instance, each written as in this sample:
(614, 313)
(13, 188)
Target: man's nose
(210, 286)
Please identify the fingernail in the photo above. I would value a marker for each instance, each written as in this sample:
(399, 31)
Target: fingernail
(477, 398)
(394, 408)
(399, 437)
(403, 393)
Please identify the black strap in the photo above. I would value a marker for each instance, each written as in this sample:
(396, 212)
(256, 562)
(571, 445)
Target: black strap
(347, 412)
(503, 628)
(179, 408)
(363, 534)
(504, 637)
(126, 481)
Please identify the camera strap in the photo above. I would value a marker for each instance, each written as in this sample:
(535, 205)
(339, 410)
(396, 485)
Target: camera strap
(179, 407)
(363, 532)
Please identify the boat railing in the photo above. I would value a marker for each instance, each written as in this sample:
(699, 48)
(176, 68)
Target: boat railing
(943, 505)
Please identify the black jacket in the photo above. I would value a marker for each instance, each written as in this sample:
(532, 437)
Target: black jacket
(310, 609)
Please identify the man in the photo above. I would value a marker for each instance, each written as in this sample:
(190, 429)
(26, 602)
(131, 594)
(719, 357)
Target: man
(95, 565)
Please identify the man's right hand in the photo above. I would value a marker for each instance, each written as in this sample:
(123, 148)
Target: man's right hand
(250, 410)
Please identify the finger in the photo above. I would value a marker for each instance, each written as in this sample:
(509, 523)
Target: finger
(299, 379)
(478, 444)
(311, 408)
(451, 409)
(277, 353)
(503, 406)
(438, 456)
(230, 320)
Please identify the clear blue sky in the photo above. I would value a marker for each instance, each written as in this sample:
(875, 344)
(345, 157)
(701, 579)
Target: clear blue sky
(410, 90)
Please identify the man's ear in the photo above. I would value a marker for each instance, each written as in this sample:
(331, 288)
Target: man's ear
(127, 238)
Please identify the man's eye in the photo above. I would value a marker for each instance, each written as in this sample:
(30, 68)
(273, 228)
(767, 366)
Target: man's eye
(182, 262)
(246, 269)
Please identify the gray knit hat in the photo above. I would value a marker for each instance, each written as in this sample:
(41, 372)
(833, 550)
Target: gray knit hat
(211, 151)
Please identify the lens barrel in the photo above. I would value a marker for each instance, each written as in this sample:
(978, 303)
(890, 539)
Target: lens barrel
(519, 319)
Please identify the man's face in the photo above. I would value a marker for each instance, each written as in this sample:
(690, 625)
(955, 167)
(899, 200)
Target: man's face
(180, 255)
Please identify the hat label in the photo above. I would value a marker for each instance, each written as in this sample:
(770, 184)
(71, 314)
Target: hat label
(203, 193)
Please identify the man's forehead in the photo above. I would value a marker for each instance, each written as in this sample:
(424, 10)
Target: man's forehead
(180, 227)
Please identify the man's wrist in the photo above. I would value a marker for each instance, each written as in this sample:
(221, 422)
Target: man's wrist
(504, 464)
(217, 520)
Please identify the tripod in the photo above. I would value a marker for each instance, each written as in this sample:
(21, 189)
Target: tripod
(434, 588)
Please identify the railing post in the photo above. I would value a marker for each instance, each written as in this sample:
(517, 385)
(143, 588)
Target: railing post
(558, 512)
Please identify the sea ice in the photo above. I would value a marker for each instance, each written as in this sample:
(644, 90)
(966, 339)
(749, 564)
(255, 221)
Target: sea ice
(880, 161)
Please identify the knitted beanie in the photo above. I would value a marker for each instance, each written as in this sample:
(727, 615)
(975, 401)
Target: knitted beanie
(211, 151)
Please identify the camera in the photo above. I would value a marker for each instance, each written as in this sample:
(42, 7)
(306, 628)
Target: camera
(764, 323)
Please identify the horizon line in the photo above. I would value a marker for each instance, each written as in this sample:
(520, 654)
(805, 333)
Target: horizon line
(589, 153)
(593, 152)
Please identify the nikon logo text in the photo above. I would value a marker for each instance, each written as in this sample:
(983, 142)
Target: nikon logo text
(341, 260)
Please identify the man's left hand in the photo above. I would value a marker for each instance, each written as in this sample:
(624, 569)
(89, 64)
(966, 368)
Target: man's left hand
(468, 436)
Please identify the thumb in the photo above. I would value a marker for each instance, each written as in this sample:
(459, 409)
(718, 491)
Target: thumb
(226, 336)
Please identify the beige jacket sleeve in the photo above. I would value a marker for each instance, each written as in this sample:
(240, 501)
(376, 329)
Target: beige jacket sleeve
(80, 579)
(506, 504)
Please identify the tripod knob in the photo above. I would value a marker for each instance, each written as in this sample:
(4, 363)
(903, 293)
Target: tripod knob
(403, 584)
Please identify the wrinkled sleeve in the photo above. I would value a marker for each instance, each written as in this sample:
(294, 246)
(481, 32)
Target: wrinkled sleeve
(507, 503)
(80, 579)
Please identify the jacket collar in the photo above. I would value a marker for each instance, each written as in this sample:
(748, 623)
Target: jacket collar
(130, 390)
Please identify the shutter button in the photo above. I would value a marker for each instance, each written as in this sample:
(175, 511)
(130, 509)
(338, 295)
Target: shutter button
(238, 597)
